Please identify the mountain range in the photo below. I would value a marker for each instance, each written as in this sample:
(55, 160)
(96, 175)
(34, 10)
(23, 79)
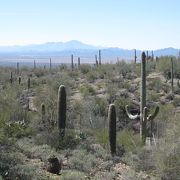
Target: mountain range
(78, 49)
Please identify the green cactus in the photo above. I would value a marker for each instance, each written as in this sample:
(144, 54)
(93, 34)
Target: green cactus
(99, 57)
(19, 79)
(96, 60)
(17, 68)
(50, 64)
(79, 61)
(143, 110)
(112, 128)
(135, 56)
(43, 112)
(29, 83)
(61, 110)
(34, 64)
(152, 56)
(11, 78)
(172, 75)
(72, 62)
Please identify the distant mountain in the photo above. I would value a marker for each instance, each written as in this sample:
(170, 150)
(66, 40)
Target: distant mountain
(77, 48)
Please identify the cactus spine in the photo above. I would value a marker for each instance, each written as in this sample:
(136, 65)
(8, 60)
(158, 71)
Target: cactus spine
(135, 57)
(112, 128)
(99, 57)
(144, 117)
(72, 62)
(61, 110)
(43, 112)
(172, 75)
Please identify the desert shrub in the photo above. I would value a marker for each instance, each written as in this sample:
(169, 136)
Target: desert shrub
(87, 90)
(85, 68)
(72, 175)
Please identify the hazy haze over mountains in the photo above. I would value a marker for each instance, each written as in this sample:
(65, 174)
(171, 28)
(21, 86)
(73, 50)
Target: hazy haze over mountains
(78, 49)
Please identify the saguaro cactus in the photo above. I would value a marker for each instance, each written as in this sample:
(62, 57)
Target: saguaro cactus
(79, 61)
(172, 75)
(34, 64)
(152, 56)
(19, 79)
(43, 112)
(96, 60)
(11, 78)
(135, 57)
(50, 64)
(99, 57)
(29, 83)
(17, 68)
(143, 110)
(72, 62)
(61, 110)
(112, 128)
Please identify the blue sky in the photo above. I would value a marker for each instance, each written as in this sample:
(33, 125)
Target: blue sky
(140, 24)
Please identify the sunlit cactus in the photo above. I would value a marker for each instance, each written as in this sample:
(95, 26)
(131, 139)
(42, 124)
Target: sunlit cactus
(144, 117)
(61, 110)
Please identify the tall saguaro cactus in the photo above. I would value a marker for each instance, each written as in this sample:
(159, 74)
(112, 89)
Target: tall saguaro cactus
(11, 78)
(50, 64)
(34, 64)
(72, 62)
(152, 55)
(79, 61)
(112, 128)
(172, 75)
(17, 68)
(61, 110)
(135, 56)
(99, 57)
(96, 60)
(144, 117)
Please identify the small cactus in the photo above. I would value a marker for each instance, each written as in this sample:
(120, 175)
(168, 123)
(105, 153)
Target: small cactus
(11, 78)
(50, 64)
(135, 56)
(43, 112)
(172, 75)
(112, 128)
(19, 79)
(17, 68)
(79, 61)
(29, 83)
(61, 110)
(72, 62)
(99, 57)
(34, 64)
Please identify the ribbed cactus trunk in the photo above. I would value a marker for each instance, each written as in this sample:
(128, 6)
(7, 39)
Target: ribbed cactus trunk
(143, 95)
(112, 128)
(135, 56)
(79, 62)
(172, 75)
(99, 57)
(43, 112)
(29, 83)
(61, 110)
(11, 78)
(72, 62)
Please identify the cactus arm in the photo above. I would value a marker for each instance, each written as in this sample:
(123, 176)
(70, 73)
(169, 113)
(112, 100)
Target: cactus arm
(132, 117)
(152, 116)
